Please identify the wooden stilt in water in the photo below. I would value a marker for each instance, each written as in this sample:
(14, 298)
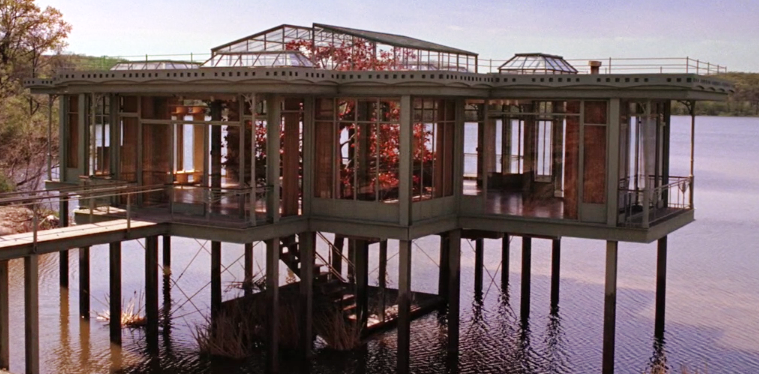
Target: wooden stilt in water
(151, 292)
(555, 272)
(84, 282)
(442, 288)
(114, 263)
(404, 306)
(661, 286)
(526, 277)
(454, 288)
(272, 305)
(362, 281)
(307, 258)
(351, 260)
(337, 254)
(215, 279)
(610, 306)
(505, 248)
(479, 264)
(31, 314)
(382, 277)
(4, 316)
(63, 258)
(248, 267)
(166, 247)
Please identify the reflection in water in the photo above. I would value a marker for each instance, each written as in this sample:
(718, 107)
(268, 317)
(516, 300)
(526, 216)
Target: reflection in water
(555, 344)
(658, 362)
(84, 342)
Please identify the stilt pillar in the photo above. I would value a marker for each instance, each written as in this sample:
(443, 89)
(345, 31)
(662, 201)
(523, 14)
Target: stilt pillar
(166, 247)
(454, 289)
(661, 286)
(31, 314)
(272, 305)
(555, 272)
(610, 306)
(479, 264)
(505, 249)
(215, 279)
(337, 254)
(442, 288)
(248, 268)
(362, 281)
(84, 282)
(114, 264)
(382, 277)
(151, 291)
(404, 306)
(63, 256)
(351, 260)
(307, 258)
(526, 277)
(4, 316)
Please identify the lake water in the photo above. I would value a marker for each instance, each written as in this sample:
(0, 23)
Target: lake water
(712, 293)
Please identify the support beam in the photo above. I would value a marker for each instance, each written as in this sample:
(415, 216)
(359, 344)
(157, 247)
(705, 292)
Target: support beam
(351, 260)
(337, 254)
(479, 264)
(361, 256)
(151, 291)
(248, 268)
(661, 287)
(442, 288)
(382, 277)
(272, 305)
(84, 282)
(114, 262)
(404, 306)
(610, 306)
(63, 259)
(166, 246)
(4, 316)
(307, 258)
(454, 284)
(526, 277)
(555, 272)
(215, 279)
(505, 249)
(31, 314)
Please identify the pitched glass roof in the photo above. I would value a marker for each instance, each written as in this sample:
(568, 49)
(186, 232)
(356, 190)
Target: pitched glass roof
(155, 65)
(536, 63)
(260, 59)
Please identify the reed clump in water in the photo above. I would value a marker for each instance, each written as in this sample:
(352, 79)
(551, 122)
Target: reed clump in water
(132, 315)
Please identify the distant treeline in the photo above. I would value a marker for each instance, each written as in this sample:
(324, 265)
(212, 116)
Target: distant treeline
(743, 103)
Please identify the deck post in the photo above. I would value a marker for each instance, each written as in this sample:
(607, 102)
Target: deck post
(337, 254)
(404, 306)
(215, 279)
(454, 284)
(272, 305)
(273, 130)
(248, 268)
(479, 264)
(166, 247)
(4, 316)
(351, 260)
(442, 288)
(661, 286)
(526, 277)
(151, 291)
(362, 282)
(610, 306)
(84, 282)
(114, 263)
(63, 256)
(505, 249)
(307, 258)
(382, 277)
(555, 272)
(31, 314)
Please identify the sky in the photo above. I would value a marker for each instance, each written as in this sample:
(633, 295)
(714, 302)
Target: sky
(720, 32)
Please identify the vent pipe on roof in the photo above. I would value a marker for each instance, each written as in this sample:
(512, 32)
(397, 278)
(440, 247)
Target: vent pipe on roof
(595, 66)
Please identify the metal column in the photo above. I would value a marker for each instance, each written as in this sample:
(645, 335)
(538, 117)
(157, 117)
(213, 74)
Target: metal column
(84, 282)
(215, 279)
(151, 291)
(661, 287)
(4, 316)
(404, 306)
(555, 272)
(526, 277)
(610, 306)
(114, 264)
(31, 314)
(272, 305)
(307, 258)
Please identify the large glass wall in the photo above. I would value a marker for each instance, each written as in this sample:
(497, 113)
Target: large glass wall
(100, 137)
(71, 131)
(357, 148)
(434, 126)
(128, 120)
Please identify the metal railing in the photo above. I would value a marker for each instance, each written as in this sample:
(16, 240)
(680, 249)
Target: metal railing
(631, 65)
(330, 247)
(645, 206)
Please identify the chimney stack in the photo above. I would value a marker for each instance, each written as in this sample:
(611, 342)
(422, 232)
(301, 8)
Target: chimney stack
(595, 66)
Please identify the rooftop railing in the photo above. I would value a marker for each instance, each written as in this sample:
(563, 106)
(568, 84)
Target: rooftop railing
(609, 65)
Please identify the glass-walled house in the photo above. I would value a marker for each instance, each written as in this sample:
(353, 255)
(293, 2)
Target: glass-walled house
(353, 129)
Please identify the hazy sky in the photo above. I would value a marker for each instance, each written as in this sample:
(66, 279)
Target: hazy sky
(724, 32)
